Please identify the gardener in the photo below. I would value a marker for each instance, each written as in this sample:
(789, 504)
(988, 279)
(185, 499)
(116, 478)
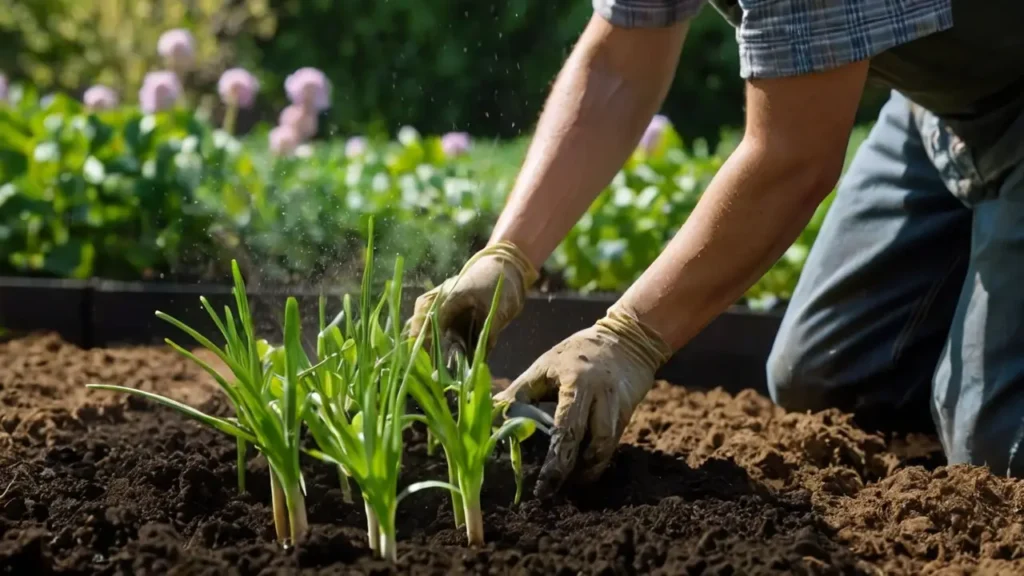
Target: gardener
(915, 286)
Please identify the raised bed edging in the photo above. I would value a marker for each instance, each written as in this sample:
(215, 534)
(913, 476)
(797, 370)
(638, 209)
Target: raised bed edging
(730, 352)
(51, 305)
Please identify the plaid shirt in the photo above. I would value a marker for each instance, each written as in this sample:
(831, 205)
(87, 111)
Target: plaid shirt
(792, 37)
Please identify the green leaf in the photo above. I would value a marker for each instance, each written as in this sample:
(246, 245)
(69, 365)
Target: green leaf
(516, 456)
(294, 355)
(511, 429)
(71, 260)
(416, 487)
(212, 421)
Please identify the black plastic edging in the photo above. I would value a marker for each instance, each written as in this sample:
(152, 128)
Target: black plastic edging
(42, 304)
(730, 352)
(124, 312)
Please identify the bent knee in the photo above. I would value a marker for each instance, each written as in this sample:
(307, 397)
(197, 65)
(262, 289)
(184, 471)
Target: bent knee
(794, 381)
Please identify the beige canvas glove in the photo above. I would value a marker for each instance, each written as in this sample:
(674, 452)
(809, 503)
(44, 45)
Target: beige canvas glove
(599, 376)
(467, 297)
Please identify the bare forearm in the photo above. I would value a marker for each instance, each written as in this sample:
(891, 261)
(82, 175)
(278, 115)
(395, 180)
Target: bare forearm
(609, 88)
(757, 204)
(746, 219)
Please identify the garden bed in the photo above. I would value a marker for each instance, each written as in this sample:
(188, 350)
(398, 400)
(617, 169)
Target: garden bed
(730, 352)
(706, 482)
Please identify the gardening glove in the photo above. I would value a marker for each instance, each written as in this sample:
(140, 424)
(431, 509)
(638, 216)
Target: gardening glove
(599, 376)
(466, 298)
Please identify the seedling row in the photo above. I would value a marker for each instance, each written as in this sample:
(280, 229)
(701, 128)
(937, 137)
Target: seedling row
(366, 384)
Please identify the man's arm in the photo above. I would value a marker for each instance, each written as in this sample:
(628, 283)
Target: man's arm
(609, 88)
(790, 159)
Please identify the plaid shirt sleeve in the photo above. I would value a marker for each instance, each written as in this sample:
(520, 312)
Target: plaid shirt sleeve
(792, 37)
(647, 13)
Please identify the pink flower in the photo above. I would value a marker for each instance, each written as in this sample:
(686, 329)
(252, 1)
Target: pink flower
(284, 140)
(356, 146)
(160, 91)
(100, 97)
(308, 87)
(178, 48)
(302, 120)
(237, 87)
(455, 143)
(652, 136)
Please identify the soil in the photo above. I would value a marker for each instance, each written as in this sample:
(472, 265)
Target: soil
(705, 483)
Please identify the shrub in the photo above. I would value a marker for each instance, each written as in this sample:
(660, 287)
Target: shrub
(67, 44)
(483, 67)
(113, 194)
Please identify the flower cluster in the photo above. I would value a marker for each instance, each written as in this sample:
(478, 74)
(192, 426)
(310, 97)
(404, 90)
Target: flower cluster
(161, 90)
(455, 143)
(310, 93)
(308, 90)
(238, 87)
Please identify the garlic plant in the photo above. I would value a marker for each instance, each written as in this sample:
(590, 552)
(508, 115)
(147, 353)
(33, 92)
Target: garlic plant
(468, 436)
(268, 406)
(353, 399)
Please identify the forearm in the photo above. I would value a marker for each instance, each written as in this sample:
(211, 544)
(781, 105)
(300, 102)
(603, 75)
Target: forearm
(747, 218)
(792, 153)
(608, 90)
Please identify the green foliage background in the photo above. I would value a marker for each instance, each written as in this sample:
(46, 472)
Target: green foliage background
(482, 67)
(70, 44)
(438, 65)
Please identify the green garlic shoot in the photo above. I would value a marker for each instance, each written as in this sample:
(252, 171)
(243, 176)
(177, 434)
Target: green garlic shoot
(469, 437)
(268, 407)
(359, 397)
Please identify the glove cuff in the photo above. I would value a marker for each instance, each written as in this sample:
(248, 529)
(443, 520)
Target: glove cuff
(508, 253)
(642, 342)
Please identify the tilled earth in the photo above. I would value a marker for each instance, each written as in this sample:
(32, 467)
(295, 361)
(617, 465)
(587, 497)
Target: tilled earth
(705, 483)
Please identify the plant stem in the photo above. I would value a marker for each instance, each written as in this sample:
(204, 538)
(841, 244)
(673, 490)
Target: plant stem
(346, 486)
(389, 546)
(457, 507)
(474, 521)
(373, 530)
(296, 501)
(230, 117)
(431, 447)
(242, 448)
(516, 455)
(389, 542)
(279, 503)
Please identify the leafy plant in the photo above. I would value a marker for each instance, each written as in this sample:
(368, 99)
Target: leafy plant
(68, 43)
(468, 436)
(269, 406)
(116, 194)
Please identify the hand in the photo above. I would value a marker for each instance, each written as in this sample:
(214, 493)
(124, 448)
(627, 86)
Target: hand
(466, 298)
(599, 375)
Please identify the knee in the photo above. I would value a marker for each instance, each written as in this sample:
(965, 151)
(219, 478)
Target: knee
(794, 380)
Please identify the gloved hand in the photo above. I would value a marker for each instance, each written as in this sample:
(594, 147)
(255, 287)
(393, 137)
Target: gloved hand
(599, 376)
(467, 297)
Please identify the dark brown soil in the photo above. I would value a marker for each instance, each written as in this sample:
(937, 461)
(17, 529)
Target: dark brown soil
(706, 483)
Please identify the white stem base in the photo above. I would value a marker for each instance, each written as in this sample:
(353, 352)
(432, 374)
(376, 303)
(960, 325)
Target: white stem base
(297, 515)
(373, 530)
(474, 525)
(389, 549)
(280, 507)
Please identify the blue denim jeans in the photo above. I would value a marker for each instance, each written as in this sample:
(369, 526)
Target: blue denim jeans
(911, 303)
